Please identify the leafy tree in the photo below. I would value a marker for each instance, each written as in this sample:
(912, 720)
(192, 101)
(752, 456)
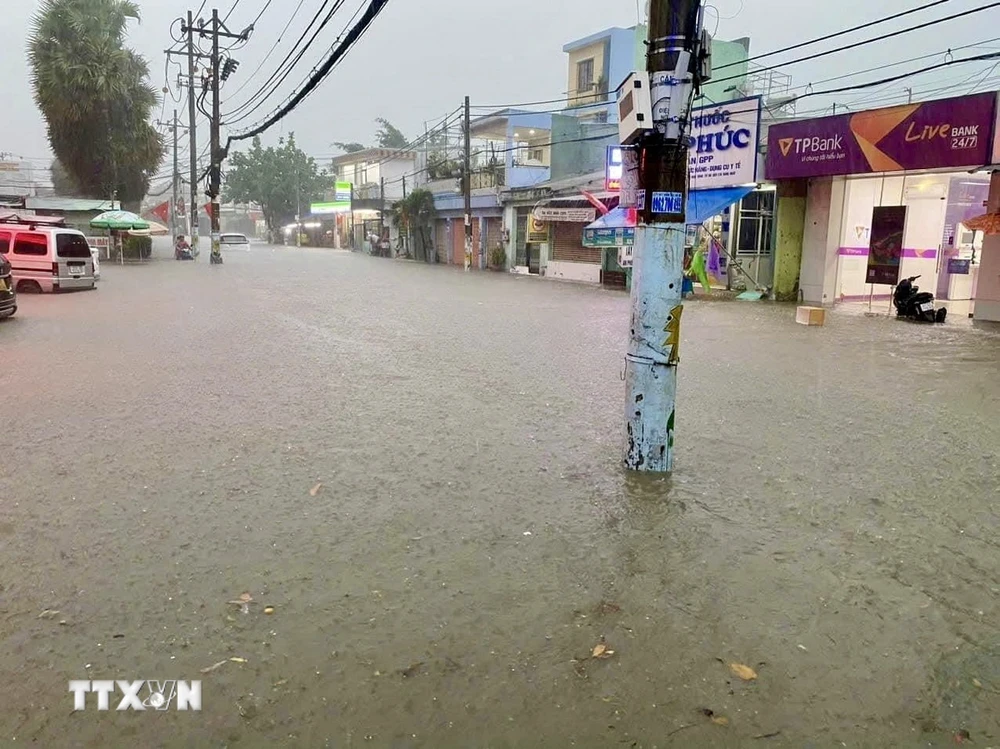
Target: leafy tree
(62, 180)
(279, 179)
(350, 147)
(389, 136)
(416, 213)
(95, 96)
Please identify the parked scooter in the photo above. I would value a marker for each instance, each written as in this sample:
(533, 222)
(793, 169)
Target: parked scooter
(914, 304)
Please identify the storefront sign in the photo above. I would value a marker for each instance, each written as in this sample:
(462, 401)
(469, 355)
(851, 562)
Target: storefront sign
(625, 256)
(613, 169)
(948, 133)
(723, 144)
(567, 215)
(340, 204)
(618, 237)
(886, 247)
(538, 231)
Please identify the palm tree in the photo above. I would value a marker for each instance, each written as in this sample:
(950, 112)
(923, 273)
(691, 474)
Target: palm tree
(95, 96)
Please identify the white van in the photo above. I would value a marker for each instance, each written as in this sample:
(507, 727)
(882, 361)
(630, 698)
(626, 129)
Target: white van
(47, 258)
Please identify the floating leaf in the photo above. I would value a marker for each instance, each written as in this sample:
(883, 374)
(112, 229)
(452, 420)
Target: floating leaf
(236, 659)
(720, 720)
(744, 672)
(976, 683)
(315, 490)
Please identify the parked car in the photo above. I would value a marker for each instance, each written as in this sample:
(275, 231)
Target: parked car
(47, 258)
(235, 242)
(8, 295)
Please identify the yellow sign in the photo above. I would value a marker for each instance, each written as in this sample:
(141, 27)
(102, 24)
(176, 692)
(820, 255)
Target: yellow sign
(538, 230)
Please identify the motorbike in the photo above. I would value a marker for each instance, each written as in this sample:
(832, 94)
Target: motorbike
(913, 304)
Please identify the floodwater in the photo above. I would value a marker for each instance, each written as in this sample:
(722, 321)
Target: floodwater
(418, 469)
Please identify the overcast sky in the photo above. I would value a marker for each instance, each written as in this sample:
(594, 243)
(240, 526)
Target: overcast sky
(422, 56)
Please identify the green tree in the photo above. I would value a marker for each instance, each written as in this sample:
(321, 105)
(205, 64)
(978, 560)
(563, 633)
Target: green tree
(350, 147)
(62, 180)
(95, 96)
(279, 179)
(389, 136)
(416, 213)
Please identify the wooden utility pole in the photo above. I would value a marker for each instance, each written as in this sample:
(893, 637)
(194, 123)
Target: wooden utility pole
(467, 184)
(673, 64)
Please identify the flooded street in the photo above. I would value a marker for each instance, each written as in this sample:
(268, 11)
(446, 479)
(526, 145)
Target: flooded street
(418, 469)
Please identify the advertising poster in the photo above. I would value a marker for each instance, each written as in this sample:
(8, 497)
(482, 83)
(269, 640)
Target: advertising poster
(886, 247)
(723, 143)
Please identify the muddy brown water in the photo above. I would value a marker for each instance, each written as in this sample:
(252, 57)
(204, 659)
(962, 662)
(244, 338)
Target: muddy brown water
(832, 523)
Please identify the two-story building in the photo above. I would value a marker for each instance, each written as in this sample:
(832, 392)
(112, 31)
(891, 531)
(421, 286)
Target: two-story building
(379, 177)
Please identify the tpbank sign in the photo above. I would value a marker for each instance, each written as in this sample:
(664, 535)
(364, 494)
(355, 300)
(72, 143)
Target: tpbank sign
(942, 134)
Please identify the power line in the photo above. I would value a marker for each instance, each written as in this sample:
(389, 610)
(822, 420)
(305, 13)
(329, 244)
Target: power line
(375, 7)
(863, 43)
(285, 68)
(893, 79)
(270, 52)
(851, 30)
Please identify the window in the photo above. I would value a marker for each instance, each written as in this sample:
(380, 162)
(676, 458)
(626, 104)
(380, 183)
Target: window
(31, 244)
(755, 223)
(585, 75)
(4, 242)
(73, 246)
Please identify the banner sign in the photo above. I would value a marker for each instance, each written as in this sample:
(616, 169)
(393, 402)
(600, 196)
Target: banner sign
(613, 169)
(886, 247)
(943, 134)
(538, 230)
(569, 215)
(618, 237)
(723, 142)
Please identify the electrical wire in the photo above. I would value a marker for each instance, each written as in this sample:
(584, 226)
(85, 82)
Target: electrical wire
(375, 7)
(235, 6)
(863, 43)
(893, 79)
(851, 30)
(270, 52)
(284, 69)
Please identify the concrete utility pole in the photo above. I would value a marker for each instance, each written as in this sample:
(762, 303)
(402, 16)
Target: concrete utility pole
(215, 175)
(177, 185)
(467, 184)
(381, 212)
(192, 120)
(658, 259)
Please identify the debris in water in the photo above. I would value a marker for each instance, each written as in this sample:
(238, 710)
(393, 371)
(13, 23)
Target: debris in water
(767, 735)
(412, 670)
(803, 648)
(244, 603)
(49, 614)
(976, 683)
(601, 651)
(315, 490)
(962, 736)
(719, 720)
(744, 672)
(269, 610)
(237, 659)
(526, 533)
(214, 666)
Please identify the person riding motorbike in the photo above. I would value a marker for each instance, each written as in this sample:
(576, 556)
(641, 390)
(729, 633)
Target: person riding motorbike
(182, 250)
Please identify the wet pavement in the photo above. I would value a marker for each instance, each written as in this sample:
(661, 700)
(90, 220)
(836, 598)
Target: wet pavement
(418, 470)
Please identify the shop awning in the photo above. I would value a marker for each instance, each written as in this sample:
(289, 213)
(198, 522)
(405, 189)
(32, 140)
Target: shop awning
(616, 229)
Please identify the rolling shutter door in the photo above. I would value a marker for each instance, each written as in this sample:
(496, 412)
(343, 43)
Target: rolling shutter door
(567, 244)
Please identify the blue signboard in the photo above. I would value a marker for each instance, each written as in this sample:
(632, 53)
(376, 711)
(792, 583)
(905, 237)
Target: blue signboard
(668, 202)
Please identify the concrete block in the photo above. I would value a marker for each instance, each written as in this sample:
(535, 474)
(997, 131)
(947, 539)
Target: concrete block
(810, 315)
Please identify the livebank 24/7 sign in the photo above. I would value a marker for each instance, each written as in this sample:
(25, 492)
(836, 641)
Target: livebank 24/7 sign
(948, 133)
(723, 144)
